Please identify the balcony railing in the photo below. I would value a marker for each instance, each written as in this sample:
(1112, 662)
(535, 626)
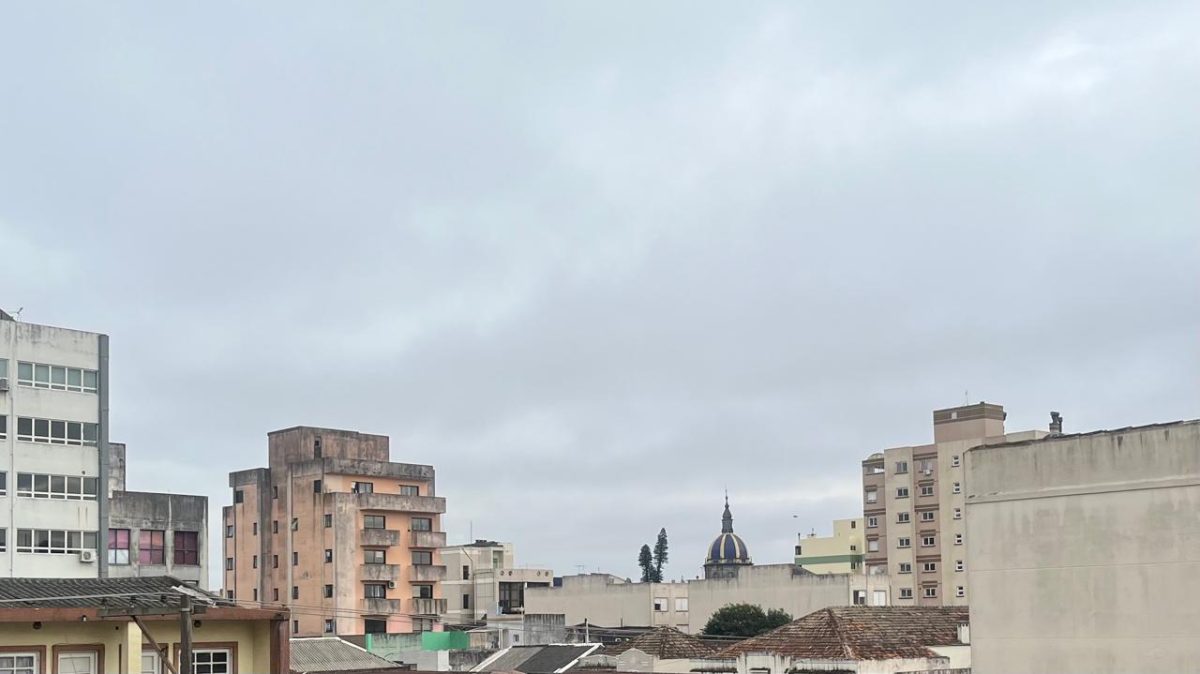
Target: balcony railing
(411, 504)
(381, 572)
(428, 539)
(383, 606)
(422, 606)
(379, 537)
(428, 573)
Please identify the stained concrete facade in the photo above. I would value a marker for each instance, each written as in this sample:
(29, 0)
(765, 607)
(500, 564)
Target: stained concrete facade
(334, 526)
(53, 434)
(1085, 552)
(913, 507)
(611, 601)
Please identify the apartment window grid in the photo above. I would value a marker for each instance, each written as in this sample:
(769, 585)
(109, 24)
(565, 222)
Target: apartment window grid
(61, 487)
(930, 591)
(926, 490)
(959, 565)
(906, 593)
(410, 490)
(212, 661)
(56, 377)
(187, 548)
(928, 516)
(901, 467)
(3, 427)
(118, 546)
(19, 663)
(929, 567)
(928, 541)
(374, 590)
(374, 557)
(872, 522)
(955, 461)
(904, 542)
(901, 492)
(927, 466)
(374, 522)
(152, 546)
(328, 626)
(55, 541)
(422, 524)
(958, 513)
(905, 567)
(56, 431)
(872, 496)
(958, 539)
(960, 592)
(903, 517)
(422, 557)
(3, 540)
(872, 545)
(957, 488)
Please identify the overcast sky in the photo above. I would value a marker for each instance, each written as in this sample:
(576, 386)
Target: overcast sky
(598, 262)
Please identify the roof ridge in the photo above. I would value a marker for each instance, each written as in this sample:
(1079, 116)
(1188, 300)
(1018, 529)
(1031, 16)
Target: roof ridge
(837, 630)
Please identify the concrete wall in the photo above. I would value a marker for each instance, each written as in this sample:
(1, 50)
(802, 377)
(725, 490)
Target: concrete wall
(135, 510)
(1085, 552)
(608, 601)
(771, 586)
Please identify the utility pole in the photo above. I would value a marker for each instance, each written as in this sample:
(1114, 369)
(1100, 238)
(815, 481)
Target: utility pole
(185, 634)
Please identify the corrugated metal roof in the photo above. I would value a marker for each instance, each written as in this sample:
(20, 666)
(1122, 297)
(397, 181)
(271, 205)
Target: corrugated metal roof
(331, 654)
(145, 592)
(550, 659)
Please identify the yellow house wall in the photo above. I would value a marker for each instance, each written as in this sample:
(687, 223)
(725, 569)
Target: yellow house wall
(123, 641)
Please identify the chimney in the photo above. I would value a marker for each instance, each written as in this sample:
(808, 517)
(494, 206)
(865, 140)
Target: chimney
(1055, 423)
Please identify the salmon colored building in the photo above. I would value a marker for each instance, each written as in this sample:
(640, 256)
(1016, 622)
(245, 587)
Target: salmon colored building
(333, 529)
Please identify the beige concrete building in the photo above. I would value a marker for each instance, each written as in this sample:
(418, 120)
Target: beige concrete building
(913, 501)
(1085, 553)
(334, 529)
(609, 601)
(840, 553)
(483, 581)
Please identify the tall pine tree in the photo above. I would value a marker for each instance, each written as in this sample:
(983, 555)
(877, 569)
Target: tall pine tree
(660, 555)
(646, 561)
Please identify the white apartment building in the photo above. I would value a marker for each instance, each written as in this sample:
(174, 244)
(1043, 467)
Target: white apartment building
(53, 450)
(483, 581)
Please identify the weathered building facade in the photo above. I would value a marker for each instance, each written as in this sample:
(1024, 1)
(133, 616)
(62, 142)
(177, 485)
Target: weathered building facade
(333, 525)
(483, 581)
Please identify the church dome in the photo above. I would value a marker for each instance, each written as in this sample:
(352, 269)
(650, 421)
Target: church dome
(728, 547)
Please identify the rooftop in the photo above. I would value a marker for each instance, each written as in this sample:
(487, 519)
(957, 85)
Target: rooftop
(1070, 436)
(161, 592)
(536, 659)
(331, 654)
(861, 633)
(666, 643)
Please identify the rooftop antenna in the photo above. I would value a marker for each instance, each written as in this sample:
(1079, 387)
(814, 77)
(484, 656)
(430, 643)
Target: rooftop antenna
(966, 397)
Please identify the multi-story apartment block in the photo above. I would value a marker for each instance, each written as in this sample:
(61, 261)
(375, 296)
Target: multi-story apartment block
(348, 539)
(484, 581)
(913, 501)
(840, 553)
(53, 450)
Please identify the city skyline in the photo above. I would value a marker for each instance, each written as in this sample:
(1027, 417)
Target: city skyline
(619, 266)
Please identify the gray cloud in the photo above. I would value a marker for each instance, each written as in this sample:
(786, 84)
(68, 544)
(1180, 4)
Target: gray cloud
(598, 264)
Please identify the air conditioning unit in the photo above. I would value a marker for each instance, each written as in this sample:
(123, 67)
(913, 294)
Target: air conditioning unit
(391, 584)
(87, 556)
(3, 384)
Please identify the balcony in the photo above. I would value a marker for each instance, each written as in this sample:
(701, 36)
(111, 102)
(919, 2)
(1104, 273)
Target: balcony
(432, 505)
(380, 572)
(428, 606)
(383, 606)
(426, 573)
(379, 537)
(428, 539)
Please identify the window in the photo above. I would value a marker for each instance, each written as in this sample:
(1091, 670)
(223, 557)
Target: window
(905, 567)
(928, 541)
(927, 466)
(56, 432)
(681, 603)
(957, 487)
(958, 565)
(958, 513)
(274, 561)
(54, 541)
(229, 594)
(901, 492)
(328, 555)
(316, 486)
(374, 557)
(855, 565)
(328, 520)
(328, 591)
(928, 516)
(466, 572)
(860, 597)
(295, 626)
(254, 528)
(317, 447)
(422, 524)
(955, 462)
(255, 594)
(901, 467)
(3, 426)
(872, 522)
(929, 567)
(229, 563)
(152, 546)
(295, 558)
(118, 546)
(466, 601)
(374, 590)
(374, 522)
(37, 375)
(374, 626)
(362, 487)
(926, 490)
(930, 591)
(295, 592)
(660, 604)
(880, 598)
(19, 663)
(410, 490)
(422, 591)
(274, 491)
(853, 524)
(328, 626)
(906, 593)
(254, 562)
(873, 470)
(873, 545)
(274, 526)
(3, 540)
(275, 594)
(872, 496)
(187, 548)
(960, 591)
(3, 368)
(422, 557)
(238, 496)
(903, 542)
(902, 518)
(228, 531)
(211, 661)
(958, 539)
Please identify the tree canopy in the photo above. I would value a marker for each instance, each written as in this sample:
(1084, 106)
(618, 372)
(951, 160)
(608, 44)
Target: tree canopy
(745, 620)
